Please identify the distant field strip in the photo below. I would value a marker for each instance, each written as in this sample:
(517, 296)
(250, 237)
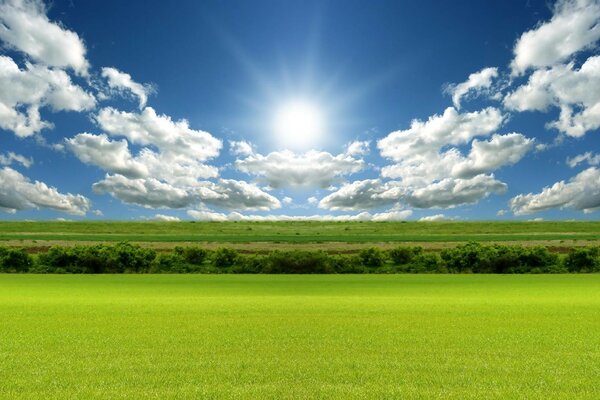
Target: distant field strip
(300, 337)
(300, 232)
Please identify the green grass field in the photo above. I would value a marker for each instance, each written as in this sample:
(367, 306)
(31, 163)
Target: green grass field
(301, 337)
(300, 232)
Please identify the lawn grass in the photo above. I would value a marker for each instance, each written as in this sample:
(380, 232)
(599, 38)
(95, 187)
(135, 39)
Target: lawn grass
(300, 337)
(299, 231)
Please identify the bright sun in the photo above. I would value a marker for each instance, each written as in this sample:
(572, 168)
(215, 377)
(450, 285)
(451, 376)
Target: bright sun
(298, 125)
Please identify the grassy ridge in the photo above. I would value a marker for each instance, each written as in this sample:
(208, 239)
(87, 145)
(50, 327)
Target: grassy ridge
(300, 232)
(278, 337)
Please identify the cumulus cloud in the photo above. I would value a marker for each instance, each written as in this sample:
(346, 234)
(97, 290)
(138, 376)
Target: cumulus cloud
(587, 157)
(240, 148)
(24, 91)
(582, 192)
(313, 168)
(573, 27)
(112, 156)
(150, 192)
(24, 26)
(240, 195)
(17, 192)
(207, 215)
(451, 192)
(477, 83)
(429, 169)
(393, 215)
(123, 83)
(10, 158)
(487, 156)
(153, 193)
(358, 148)
(450, 128)
(165, 218)
(360, 195)
(576, 92)
(148, 128)
(436, 218)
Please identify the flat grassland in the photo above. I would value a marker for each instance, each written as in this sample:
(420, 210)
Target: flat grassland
(305, 337)
(334, 236)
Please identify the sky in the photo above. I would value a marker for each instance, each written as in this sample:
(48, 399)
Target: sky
(320, 110)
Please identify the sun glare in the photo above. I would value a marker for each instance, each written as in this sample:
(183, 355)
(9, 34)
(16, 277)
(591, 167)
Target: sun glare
(298, 125)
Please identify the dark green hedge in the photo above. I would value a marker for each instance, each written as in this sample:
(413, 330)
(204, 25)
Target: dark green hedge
(466, 258)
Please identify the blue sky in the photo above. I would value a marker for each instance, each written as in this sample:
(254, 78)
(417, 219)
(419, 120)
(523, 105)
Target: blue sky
(228, 110)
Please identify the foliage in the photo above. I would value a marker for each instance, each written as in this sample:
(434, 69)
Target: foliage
(465, 258)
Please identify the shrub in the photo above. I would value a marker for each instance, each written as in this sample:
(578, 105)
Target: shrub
(224, 257)
(14, 260)
(298, 262)
(470, 257)
(404, 255)
(346, 265)
(583, 259)
(372, 257)
(192, 255)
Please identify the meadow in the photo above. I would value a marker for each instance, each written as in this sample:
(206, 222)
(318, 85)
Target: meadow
(309, 336)
(297, 232)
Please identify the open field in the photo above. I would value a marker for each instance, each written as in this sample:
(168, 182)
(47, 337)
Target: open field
(331, 236)
(240, 336)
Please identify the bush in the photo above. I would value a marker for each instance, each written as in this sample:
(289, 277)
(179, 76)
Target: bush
(192, 255)
(225, 258)
(470, 257)
(404, 255)
(583, 259)
(372, 257)
(14, 260)
(298, 262)
(98, 259)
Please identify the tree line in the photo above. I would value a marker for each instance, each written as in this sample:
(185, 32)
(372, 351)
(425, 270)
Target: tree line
(465, 258)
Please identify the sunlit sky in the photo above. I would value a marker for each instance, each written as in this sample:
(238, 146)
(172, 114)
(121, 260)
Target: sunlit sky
(232, 110)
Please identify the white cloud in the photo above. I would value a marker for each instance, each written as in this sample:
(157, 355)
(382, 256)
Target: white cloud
(241, 148)
(206, 215)
(148, 128)
(588, 157)
(150, 192)
(153, 193)
(32, 88)
(446, 193)
(451, 192)
(10, 157)
(358, 148)
(360, 195)
(240, 195)
(287, 200)
(165, 218)
(487, 156)
(393, 215)
(573, 27)
(312, 200)
(436, 218)
(288, 169)
(582, 192)
(24, 26)
(113, 156)
(477, 83)
(576, 92)
(17, 192)
(450, 128)
(122, 82)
